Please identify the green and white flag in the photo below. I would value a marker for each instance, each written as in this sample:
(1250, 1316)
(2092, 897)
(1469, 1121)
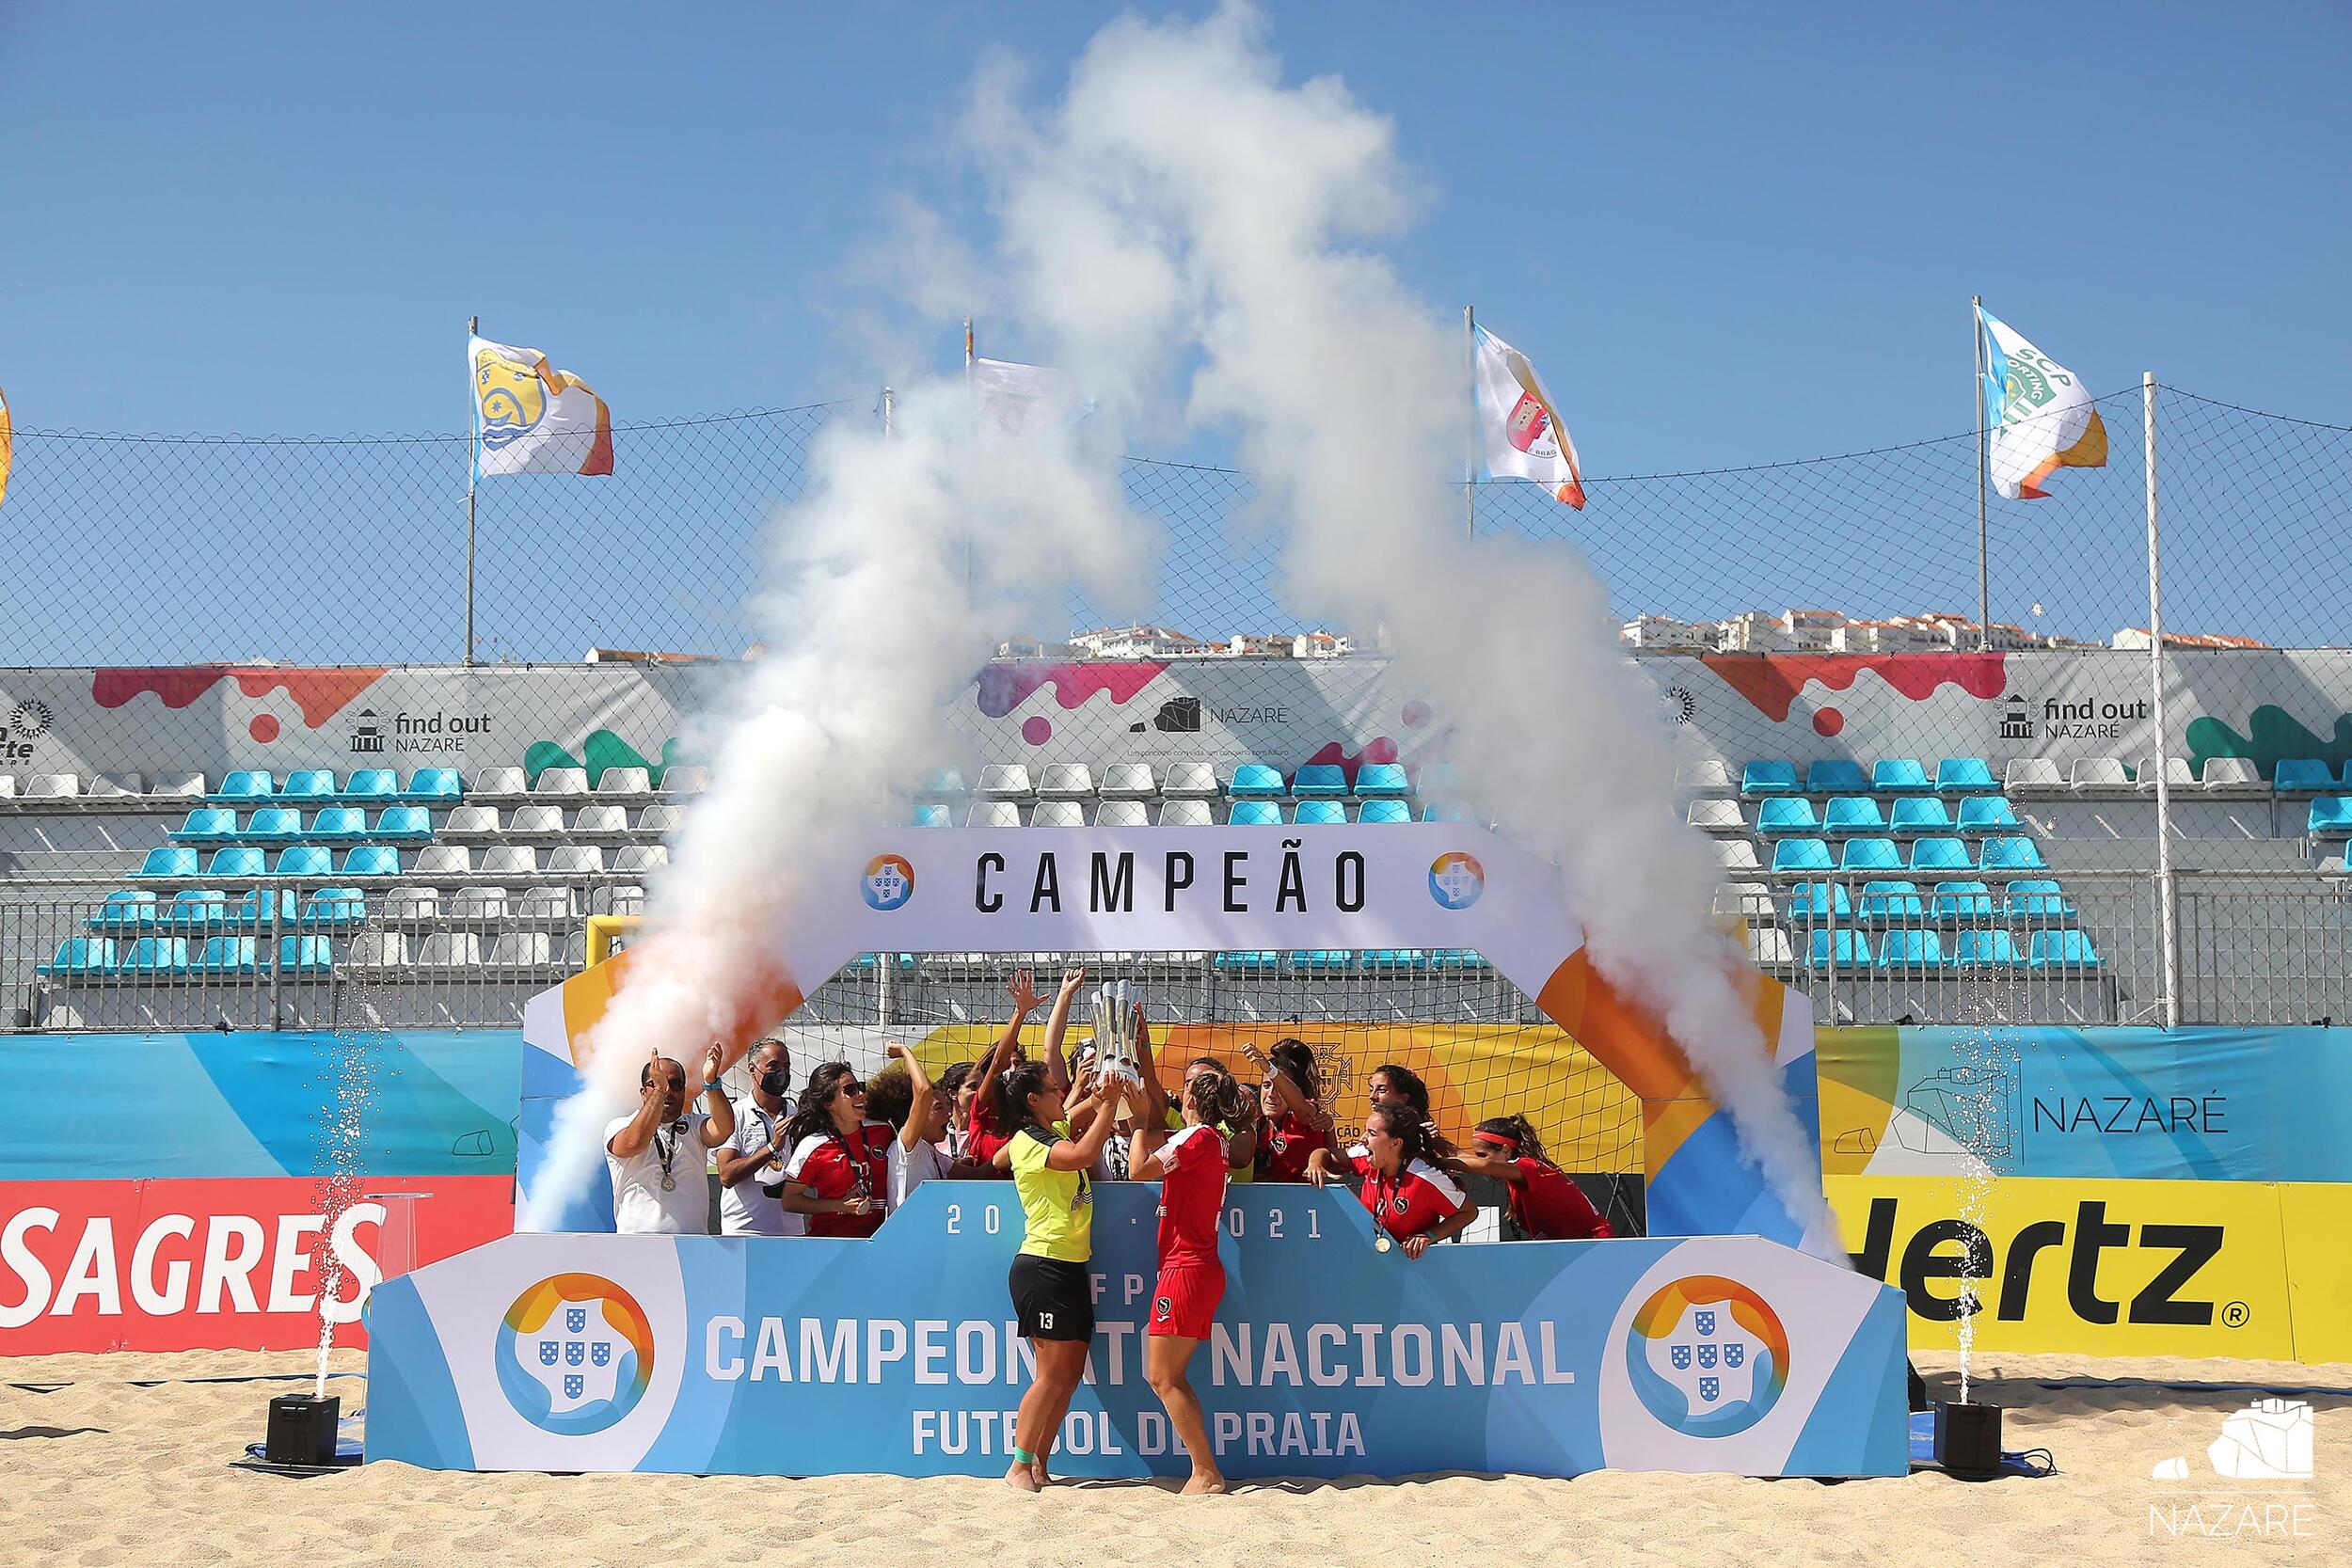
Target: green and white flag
(2038, 416)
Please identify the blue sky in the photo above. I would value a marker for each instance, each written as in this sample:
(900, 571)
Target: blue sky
(1728, 234)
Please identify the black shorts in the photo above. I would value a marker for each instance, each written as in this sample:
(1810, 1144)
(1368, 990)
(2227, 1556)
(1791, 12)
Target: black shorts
(1054, 1300)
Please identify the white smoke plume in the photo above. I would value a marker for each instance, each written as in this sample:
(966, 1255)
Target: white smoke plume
(869, 631)
(1241, 205)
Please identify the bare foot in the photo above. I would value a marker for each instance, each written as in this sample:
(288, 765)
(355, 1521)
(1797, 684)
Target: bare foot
(1020, 1478)
(1204, 1485)
(1038, 1470)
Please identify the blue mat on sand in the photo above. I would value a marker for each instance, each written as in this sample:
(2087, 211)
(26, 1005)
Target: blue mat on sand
(2029, 1462)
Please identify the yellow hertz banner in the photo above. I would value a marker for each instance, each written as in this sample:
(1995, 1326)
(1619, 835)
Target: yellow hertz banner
(2243, 1269)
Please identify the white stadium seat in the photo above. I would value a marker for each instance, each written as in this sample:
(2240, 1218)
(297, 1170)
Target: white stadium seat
(2099, 774)
(685, 781)
(2232, 773)
(51, 786)
(625, 781)
(536, 822)
(1122, 813)
(480, 822)
(1065, 780)
(1708, 777)
(477, 903)
(545, 903)
(573, 860)
(1717, 816)
(442, 860)
(521, 950)
(2032, 776)
(599, 821)
(561, 781)
(449, 950)
(499, 781)
(659, 819)
(1190, 781)
(993, 814)
(1185, 814)
(1006, 780)
(412, 903)
(1735, 854)
(641, 857)
(510, 859)
(1128, 781)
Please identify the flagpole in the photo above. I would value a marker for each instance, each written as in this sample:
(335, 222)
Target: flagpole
(473, 473)
(2166, 933)
(1469, 468)
(971, 413)
(1985, 578)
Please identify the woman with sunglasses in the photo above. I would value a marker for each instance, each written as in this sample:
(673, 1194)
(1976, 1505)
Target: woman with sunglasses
(838, 1172)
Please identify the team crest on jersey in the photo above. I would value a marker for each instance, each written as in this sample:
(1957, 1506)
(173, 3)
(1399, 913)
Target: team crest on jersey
(1162, 1308)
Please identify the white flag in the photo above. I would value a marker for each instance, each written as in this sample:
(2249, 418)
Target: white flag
(2036, 413)
(1021, 400)
(1524, 436)
(532, 419)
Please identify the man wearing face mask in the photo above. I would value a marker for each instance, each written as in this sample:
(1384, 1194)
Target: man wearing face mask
(750, 1166)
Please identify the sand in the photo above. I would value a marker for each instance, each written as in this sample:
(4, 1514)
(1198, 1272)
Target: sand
(125, 1460)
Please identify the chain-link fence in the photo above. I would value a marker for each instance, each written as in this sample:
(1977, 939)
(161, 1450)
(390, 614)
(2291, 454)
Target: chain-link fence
(184, 610)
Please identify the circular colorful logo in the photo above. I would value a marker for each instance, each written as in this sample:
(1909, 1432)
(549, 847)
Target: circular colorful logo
(889, 882)
(1707, 1356)
(1456, 879)
(575, 1353)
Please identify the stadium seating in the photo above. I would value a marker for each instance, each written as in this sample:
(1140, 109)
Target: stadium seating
(1320, 781)
(1255, 779)
(1129, 781)
(1802, 854)
(1185, 814)
(1190, 781)
(1965, 776)
(2098, 773)
(931, 813)
(1810, 901)
(1778, 816)
(1939, 853)
(1995, 949)
(1912, 947)
(2304, 776)
(1059, 814)
(1065, 780)
(1122, 813)
(310, 785)
(1899, 775)
(207, 824)
(625, 781)
(1388, 811)
(371, 787)
(433, 784)
(1384, 780)
(1842, 948)
(246, 784)
(303, 860)
(2328, 813)
(1835, 776)
(1869, 854)
(685, 781)
(993, 814)
(1849, 814)
(2066, 950)
(2030, 776)
(1255, 814)
(1960, 902)
(344, 822)
(2011, 854)
(1761, 778)
(508, 860)
(1311, 814)
(1922, 814)
(1981, 813)
(1716, 816)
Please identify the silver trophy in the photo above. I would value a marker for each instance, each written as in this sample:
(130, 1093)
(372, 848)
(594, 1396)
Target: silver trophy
(1114, 1034)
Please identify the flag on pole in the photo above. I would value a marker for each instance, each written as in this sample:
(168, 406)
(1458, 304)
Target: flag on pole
(532, 419)
(2038, 416)
(1521, 424)
(1021, 400)
(8, 444)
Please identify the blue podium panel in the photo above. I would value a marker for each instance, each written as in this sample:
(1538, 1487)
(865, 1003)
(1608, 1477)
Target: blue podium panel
(898, 1355)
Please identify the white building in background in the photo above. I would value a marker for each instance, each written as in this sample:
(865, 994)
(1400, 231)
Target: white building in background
(1833, 631)
(1032, 647)
(1137, 641)
(2137, 637)
(1664, 634)
(1250, 645)
(1321, 645)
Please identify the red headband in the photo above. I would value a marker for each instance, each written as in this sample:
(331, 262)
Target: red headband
(1498, 1139)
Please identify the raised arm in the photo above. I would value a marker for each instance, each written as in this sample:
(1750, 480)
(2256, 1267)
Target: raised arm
(1154, 1092)
(719, 1127)
(1079, 1153)
(630, 1141)
(1057, 1025)
(1148, 1135)
(918, 1127)
(1025, 1000)
(1292, 1096)
(1475, 1160)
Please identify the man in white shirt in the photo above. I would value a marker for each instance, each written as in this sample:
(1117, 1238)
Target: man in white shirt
(750, 1166)
(658, 1157)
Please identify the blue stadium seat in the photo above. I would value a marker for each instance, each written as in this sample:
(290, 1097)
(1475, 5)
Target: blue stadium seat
(403, 824)
(1984, 814)
(237, 864)
(335, 906)
(1786, 816)
(206, 822)
(1321, 780)
(370, 860)
(1255, 814)
(1385, 811)
(1255, 779)
(371, 785)
(1940, 854)
(2011, 854)
(253, 909)
(338, 822)
(932, 814)
(1325, 959)
(1958, 903)
(1766, 778)
(2039, 902)
(132, 909)
(306, 955)
(1847, 813)
(1898, 776)
(2067, 949)
(227, 956)
(1869, 854)
(195, 908)
(304, 860)
(1802, 854)
(1384, 779)
(1320, 813)
(1921, 815)
(1811, 901)
(81, 955)
(943, 782)
(309, 783)
(1849, 950)
(1883, 903)
(246, 784)
(1445, 810)
(1395, 957)
(2301, 775)
(433, 786)
(1456, 958)
(2329, 814)
(156, 956)
(1995, 949)
(1965, 776)
(1256, 958)
(274, 822)
(168, 861)
(1914, 949)
(1835, 776)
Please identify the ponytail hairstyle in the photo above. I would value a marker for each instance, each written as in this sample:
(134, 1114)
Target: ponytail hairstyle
(1294, 1058)
(1406, 1129)
(814, 1115)
(1214, 1095)
(1525, 1144)
(1013, 1092)
(1407, 1083)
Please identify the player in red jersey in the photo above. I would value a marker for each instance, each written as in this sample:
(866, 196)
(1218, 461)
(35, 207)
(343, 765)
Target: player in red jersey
(1295, 1123)
(1410, 1198)
(1192, 1162)
(983, 1135)
(1545, 1204)
(838, 1172)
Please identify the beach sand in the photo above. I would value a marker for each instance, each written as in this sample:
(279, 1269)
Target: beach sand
(125, 1459)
